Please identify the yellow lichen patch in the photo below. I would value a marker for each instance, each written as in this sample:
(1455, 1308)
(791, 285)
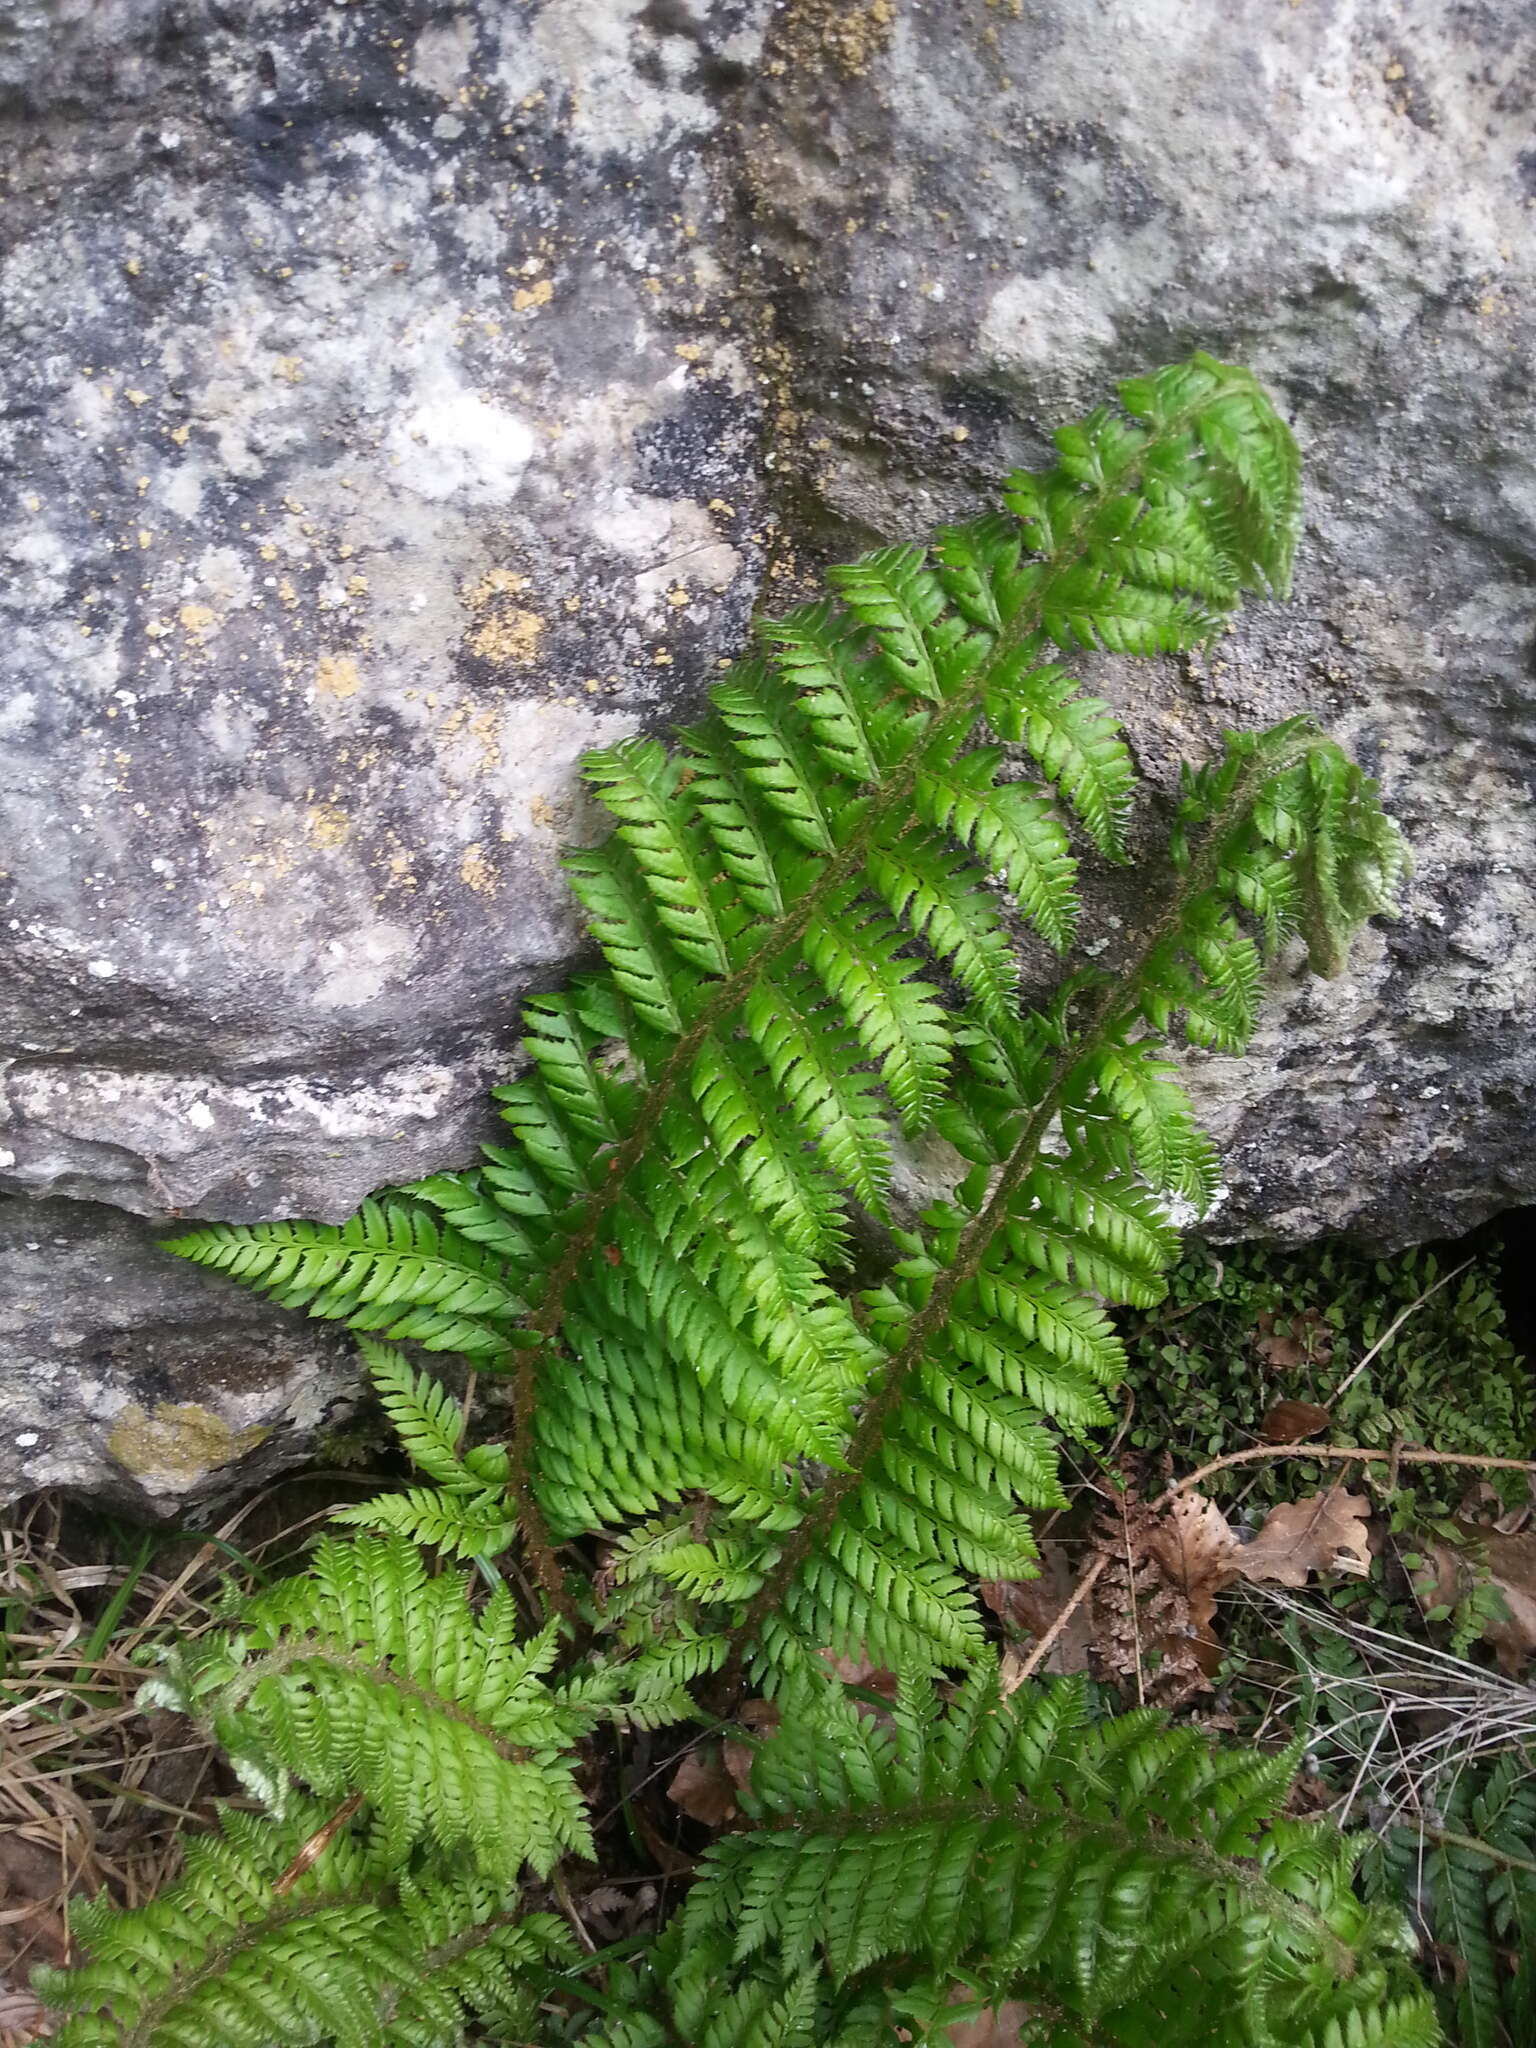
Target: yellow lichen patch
(509, 636)
(849, 36)
(483, 727)
(336, 676)
(476, 872)
(197, 621)
(528, 296)
(181, 1440)
(493, 584)
(328, 825)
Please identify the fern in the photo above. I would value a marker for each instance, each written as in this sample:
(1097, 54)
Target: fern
(249, 1949)
(804, 915)
(1124, 1880)
(1472, 1875)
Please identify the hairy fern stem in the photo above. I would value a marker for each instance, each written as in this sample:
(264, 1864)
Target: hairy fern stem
(1115, 1006)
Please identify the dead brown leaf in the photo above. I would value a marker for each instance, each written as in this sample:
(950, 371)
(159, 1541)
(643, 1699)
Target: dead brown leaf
(1507, 1562)
(860, 1671)
(1512, 1567)
(1029, 1607)
(1307, 1340)
(1324, 1533)
(22, 2019)
(1289, 1421)
(999, 2027)
(1142, 1635)
(1195, 1545)
(759, 1718)
(704, 1788)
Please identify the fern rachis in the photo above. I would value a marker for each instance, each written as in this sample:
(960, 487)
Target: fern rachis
(798, 913)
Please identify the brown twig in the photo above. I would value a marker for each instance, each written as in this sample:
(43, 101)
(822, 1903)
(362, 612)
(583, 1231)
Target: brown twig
(1343, 1454)
(316, 1846)
(1057, 1629)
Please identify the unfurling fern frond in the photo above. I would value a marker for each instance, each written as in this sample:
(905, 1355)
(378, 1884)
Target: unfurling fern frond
(1125, 1881)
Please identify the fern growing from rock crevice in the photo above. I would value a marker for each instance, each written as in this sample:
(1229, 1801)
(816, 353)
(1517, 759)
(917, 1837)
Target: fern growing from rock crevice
(805, 952)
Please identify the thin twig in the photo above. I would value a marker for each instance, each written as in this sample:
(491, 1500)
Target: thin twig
(1130, 1587)
(1343, 1454)
(1057, 1629)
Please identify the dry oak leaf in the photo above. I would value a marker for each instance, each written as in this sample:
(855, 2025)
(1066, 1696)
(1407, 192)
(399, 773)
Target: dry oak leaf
(1031, 1606)
(1508, 1564)
(1195, 1545)
(1324, 1533)
(704, 1788)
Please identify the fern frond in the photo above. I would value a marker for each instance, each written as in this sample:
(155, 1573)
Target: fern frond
(1124, 1878)
(366, 1677)
(253, 1946)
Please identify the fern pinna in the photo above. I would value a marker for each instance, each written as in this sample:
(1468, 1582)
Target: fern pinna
(803, 913)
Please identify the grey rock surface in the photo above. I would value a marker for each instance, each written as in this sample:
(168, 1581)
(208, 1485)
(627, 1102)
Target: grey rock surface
(382, 438)
(404, 398)
(140, 1379)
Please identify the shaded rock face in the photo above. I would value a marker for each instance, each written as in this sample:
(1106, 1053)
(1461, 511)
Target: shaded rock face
(400, 401)
(141, 1380)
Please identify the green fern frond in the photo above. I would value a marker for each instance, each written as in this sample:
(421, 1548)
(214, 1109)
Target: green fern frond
(1122, 1878)
(364, 1676)
(254, 1946)
(1470, 1873)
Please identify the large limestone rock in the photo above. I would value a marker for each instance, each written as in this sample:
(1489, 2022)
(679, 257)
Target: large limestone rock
(381, 437)
(143, 1381)
(402, 399)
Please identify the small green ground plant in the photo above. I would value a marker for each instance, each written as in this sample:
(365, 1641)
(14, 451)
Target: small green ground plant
(731, 1460)
(1409, 1350)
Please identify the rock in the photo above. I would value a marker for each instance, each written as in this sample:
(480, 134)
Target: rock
(402, 399)
(141, 1380)
(386, 439)
(975, 218)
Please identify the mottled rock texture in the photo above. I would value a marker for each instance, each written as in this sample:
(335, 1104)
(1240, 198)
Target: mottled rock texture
(402, 398)
(140, 1379)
